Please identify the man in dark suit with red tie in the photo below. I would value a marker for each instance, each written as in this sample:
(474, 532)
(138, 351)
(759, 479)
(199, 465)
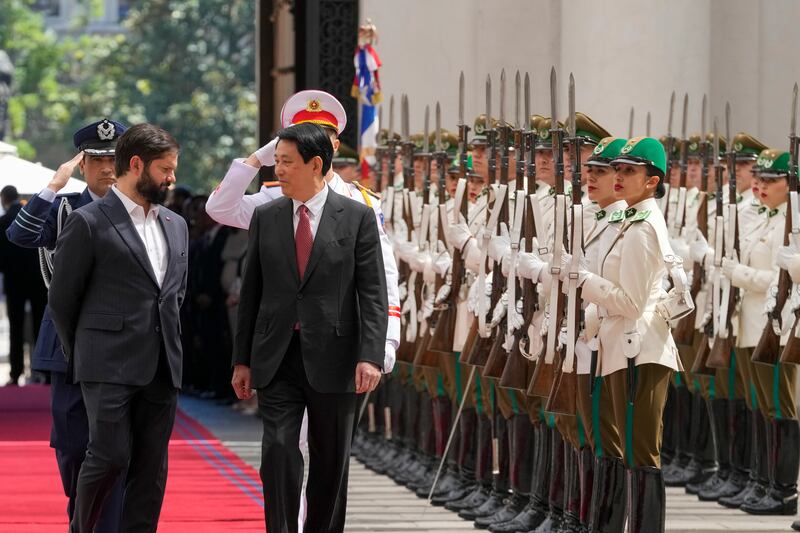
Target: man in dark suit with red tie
(311, 330)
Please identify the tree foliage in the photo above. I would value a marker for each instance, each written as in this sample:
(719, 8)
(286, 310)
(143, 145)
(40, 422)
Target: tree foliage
(186, 65)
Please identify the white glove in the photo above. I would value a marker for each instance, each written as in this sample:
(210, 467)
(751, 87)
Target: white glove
(458, 234)
(568, 261)
(500, 245)
(428, 273)
(515, 320)
(389, 358)
(426, 310)
(728, 266)
(419, 261)
(699, 249)
(443, 293)
(266, 154)
(402, 289)
(499, 311)
(441, 263)
(472, 298)
(785, 256)
(406, 250)
(530, 266)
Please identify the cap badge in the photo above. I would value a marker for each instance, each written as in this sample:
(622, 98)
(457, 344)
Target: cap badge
(599, 148)
(480, 127)
(544, 133)
(693, 146)
(313, 106)
(106, 131)
(738, 146)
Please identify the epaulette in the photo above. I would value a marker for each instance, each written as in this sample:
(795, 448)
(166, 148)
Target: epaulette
(271, 184)
(367, 190)
(617, 216)
(641, 215)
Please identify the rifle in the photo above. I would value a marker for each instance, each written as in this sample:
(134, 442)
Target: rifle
(444, 332)
(498, 355)
(544, 375)
(519, 370)
(791, 352)
(423, 357)
(727, 244)
(684, 331)
(768, 347)
(700, 365)
(405, 353)
(563, 393)
(479, 353)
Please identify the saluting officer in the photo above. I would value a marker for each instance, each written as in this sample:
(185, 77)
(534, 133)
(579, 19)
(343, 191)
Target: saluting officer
(37, 226)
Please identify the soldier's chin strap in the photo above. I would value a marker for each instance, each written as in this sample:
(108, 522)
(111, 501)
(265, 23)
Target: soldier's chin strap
(488, 231)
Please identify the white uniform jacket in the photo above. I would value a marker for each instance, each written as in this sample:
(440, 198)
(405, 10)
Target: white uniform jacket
(626, 293)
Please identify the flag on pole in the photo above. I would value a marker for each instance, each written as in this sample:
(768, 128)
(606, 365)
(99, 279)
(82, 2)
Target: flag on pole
(367, 89)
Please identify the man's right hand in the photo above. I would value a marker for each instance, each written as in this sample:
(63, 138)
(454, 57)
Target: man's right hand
(64, 173)
(241, 382)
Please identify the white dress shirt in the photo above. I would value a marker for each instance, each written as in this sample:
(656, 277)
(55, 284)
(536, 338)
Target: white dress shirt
(315, 206)
(149, 231)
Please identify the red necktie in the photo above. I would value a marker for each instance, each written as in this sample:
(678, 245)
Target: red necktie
(303, 239)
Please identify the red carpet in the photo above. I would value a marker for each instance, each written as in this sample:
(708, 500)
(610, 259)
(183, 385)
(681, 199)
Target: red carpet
(209, 490)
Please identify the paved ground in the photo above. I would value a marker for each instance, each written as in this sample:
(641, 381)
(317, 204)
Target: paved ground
(377, 504)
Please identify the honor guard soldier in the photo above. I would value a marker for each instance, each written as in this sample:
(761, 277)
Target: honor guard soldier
(37, 226)
(775, 384)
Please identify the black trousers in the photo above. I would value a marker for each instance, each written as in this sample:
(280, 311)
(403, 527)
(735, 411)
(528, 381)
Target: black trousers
(17, 294)
(330, 429)
(69, 436)
(129, 428)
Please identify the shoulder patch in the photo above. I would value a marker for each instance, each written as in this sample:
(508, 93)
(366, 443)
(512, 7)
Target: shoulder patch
(641, 215)
(617, 216)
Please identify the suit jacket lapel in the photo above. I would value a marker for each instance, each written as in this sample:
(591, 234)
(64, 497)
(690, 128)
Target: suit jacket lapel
(326, 231)
(115, 211)
(285, 225)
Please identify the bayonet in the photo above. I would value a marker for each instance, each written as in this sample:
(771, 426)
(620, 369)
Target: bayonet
(703, 120)
(461, 99)
(671, 113)
(527, 118)
(426, 145)
(715, 139)
(793, 123)
(571, 121)
(502, 97)
(438, 119)
(391, 117)
(728, 125)
(553, 97)
(517, 95)
(630, 124)
(488, 102)
(647, 127)
(685, 115)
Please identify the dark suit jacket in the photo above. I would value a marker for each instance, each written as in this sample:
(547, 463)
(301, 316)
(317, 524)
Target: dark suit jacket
(340, 303)
(19, 265)
(109, 311)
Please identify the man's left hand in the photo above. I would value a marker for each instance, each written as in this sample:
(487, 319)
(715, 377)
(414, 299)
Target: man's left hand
(368, 376)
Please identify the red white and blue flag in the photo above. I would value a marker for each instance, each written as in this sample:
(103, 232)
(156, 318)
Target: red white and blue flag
(367, 88)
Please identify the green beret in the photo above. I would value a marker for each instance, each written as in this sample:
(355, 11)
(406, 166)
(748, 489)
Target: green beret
(772, 164)
(605, 151)
(644, 151)
(747, 147)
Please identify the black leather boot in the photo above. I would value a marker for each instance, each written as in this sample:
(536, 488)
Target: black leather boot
(752, 448)
(461, 459)
(720, 419)
(738, 439)
(586, 464)
(784, 462)
(607, 514)
(674, 475)
(759, 489)
(511, 508)
(572, 493)
(425, 443)
(482, 466)
(500, 490)
(536, 509)
(646, 500)
(556, 490)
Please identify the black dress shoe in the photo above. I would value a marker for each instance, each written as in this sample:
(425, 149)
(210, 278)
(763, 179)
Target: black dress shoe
(731, 487)
(551, 523)
(488, 507)
(474, 499)
(511, 508)
(775, 502)
(531, 517)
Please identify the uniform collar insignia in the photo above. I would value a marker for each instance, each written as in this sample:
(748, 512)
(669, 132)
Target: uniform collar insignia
(762, 209)
(773, 212)
(552, 191)
(600, 215)
(630, 212)
(641, 215)
(616, 216)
